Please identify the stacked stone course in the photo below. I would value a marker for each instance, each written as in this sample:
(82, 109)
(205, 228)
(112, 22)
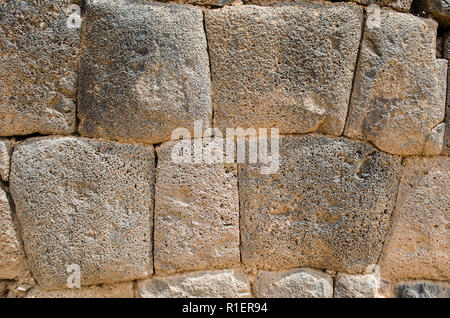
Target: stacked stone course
(359, 206)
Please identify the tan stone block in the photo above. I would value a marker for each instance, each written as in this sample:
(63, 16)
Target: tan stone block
(85, 202)
(119, 290)
(417, 245)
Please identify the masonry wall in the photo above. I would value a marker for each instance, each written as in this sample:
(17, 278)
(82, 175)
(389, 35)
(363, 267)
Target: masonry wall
(358, 207)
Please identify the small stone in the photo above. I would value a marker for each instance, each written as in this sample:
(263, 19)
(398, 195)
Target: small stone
(119, 290)
(196, 215)
(12, 258)
(416, 246)
(144, 70)
(5, 154)
(90, 201)
(435, 141)
(357, 286)
(287, 66)
(39, 50)
(399, 92)
(295, 283)
(422, 289)
(24, 287)
(231, 283)
(400, 5)
(328, 206)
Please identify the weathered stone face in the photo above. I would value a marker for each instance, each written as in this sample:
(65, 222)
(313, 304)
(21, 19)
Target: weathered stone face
(11, 256)
(119, 290)
(400, 5)
(287, 66)
(296, 283)
(446, 142)
(422, 289)
(38, 68)
(5, 154)
(327, 207)
(196, 215)
(417, 245)
(144, 70)
(398, 97)
(90, 201)
(212, 3)
(229, 283)
(436, 9)
(356, 286)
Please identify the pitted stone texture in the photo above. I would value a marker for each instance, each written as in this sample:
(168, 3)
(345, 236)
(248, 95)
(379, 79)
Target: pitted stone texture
(422, 289)
(85, 202)
(38, 68)
(399, 92)
(446, 54)
(287, 66)
(144, 70)
(119, 290)
(357, 286)
(417, 244)
(328, 206)
(230, 283)
(400, 5)
(296, 283)
(212, 3)
(5, 157)
(11, 255)
(196, 215)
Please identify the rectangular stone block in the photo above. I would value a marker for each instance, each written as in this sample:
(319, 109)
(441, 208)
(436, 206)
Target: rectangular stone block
(417, 244)
(357, 286)
(5, 157)
(84, 202)
(144, 70)
(398, 99)
(327, 207)
(287, 66)
(196, 214)
(38, 68)
(295, 283)
(422, 289)
(12, 258)
(230, 283)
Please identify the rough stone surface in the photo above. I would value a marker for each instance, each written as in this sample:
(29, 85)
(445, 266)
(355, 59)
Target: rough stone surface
(327, 207)
(287, 66)
(120, 290)
(296, 283)
(144, 70)
(211, 3)
(5, 157)
(90, 201)
(399, 92)
(400, 5)
(215, 284)
(11, 255)
(446, 55)
(196, 215)
(434, 143)
(356, 286)
(417, 245)
(38, 68)
(422, 289)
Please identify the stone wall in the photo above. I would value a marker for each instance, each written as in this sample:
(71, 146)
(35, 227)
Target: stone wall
(359, 205)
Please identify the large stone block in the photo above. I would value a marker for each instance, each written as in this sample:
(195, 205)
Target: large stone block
(12, 258)
(398, 99)
(144, 70)
(196, 215)
(296, 283)
(5, 157)
(327, 207)
(231, 283)
(287, 66)
(119, 290)
(422, 289)
(357, 286)
(85, 202)
(417, 244)
(38, 68)
(446, 54)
